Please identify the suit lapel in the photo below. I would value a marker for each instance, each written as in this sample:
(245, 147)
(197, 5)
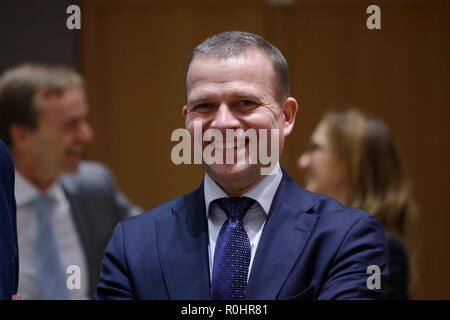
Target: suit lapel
(71, 192)
(285, 234)
(182, 240)
(80, 211)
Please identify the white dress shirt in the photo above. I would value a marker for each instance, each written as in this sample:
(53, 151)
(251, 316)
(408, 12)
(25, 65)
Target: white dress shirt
(253, 221)
(66, 235)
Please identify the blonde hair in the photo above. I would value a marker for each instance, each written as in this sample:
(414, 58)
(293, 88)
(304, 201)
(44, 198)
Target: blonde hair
(378, 183)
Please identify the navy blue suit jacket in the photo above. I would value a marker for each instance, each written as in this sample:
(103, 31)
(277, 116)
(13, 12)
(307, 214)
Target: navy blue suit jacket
(312, 247)
(9, 256)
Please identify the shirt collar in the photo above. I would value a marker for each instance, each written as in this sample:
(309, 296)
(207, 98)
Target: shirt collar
(263, 192)
(25, 191)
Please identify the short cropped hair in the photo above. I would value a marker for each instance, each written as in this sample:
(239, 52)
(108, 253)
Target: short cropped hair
(235, 43)
(17, 92)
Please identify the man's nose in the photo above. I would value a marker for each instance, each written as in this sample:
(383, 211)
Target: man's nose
(84, 133)
(304, 161)
(224, 118)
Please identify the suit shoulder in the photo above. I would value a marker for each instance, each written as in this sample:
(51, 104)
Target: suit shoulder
(330, 211)
(334, 213)
(90, 176)
(89, 168)
(326, 207)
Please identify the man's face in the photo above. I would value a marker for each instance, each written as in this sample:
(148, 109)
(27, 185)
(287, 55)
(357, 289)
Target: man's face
(236, 93)
(57, 145)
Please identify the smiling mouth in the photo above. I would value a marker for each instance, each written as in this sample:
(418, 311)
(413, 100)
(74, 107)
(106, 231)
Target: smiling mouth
(76, 153)
(230, 145)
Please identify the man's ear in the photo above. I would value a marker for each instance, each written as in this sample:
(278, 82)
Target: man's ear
(20, 135)
(290, 108)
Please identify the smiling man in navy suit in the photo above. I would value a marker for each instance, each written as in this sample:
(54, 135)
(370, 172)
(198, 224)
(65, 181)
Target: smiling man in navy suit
(243, 234)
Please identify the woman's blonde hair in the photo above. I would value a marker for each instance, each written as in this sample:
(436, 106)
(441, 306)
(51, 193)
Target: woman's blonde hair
(378, 183)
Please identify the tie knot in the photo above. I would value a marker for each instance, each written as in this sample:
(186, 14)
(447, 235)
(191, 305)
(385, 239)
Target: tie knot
(42, 203)
(235, 207)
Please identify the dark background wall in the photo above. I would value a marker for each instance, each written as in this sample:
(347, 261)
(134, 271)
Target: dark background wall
(133, 55)
(35, 31)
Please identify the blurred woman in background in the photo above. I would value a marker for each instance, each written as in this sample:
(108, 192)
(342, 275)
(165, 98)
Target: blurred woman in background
(352, 158)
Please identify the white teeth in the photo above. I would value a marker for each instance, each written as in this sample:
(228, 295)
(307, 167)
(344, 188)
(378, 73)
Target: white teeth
(226, 145)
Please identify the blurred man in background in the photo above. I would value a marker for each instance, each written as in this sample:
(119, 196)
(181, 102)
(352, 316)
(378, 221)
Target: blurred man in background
(66, 208)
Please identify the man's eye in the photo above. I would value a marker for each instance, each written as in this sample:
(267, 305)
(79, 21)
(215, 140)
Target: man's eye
(246, 103)
(202, 107)
(69, 125)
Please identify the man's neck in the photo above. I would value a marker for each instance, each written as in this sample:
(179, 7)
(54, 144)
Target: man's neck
(238, 188)
(30, 173)
(237, 192)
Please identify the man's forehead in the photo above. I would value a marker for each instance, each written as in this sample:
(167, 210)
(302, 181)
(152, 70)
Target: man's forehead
(45, 95)
(71, 100)
(252, 65)
(248, 55)
(235, 93)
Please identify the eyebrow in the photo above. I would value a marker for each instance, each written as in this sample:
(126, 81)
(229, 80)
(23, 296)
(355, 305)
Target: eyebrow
(198, 100)
(242, 95)
(234, 95)
(72, 117)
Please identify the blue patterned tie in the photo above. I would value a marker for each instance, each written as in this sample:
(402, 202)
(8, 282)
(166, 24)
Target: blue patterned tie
(232, 253)
(52, 280)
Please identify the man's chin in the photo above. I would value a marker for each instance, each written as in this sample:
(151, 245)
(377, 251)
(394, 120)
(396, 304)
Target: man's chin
(72, 162)
(71, 167)
(233, 176)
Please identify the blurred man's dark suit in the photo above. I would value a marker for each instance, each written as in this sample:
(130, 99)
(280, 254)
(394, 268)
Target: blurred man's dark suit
(9, 256)
(97, 206)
